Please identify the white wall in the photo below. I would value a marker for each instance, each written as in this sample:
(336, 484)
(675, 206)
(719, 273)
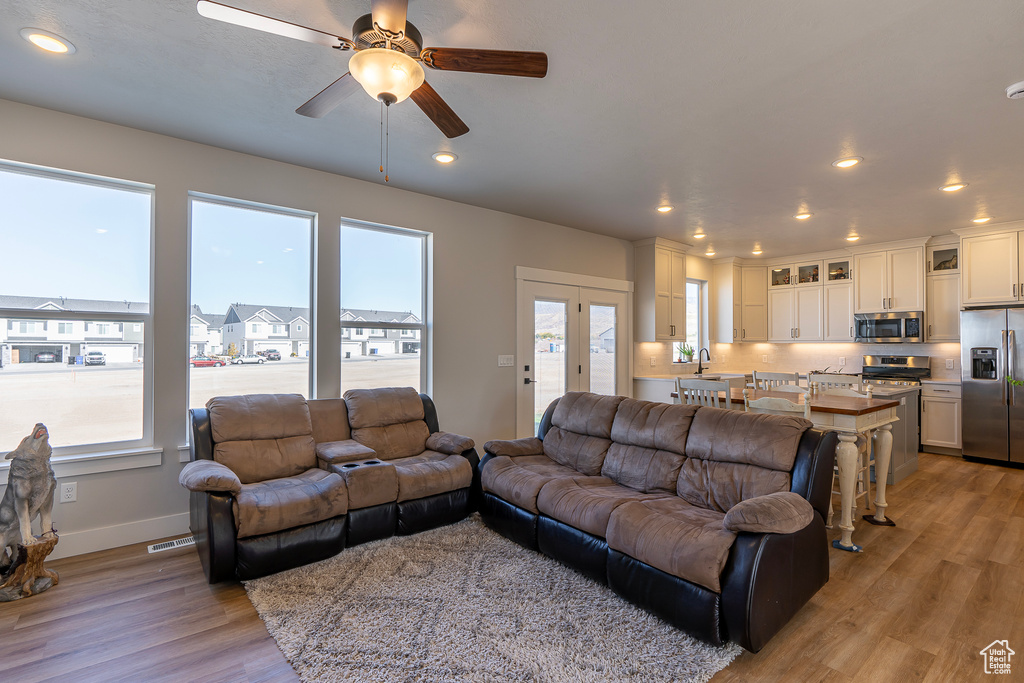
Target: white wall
(475, 255)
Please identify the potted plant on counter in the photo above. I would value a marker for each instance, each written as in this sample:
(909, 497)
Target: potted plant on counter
(685, 352)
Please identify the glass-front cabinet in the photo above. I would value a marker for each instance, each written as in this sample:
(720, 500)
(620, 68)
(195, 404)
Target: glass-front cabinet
(803, 273)
(837, 271)
(943, 260)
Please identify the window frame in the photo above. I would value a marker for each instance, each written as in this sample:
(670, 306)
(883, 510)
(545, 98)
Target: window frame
(425, 325)
(128, 453)
(702, 312)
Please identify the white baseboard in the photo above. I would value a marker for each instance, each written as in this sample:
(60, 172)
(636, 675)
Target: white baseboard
(90, 540)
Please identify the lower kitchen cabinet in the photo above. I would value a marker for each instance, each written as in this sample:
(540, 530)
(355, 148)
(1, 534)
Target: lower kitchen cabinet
(940, 418)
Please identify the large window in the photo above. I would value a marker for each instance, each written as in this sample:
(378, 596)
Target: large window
(694, 314)
(74, 309)
(250, 313)
(383, 284)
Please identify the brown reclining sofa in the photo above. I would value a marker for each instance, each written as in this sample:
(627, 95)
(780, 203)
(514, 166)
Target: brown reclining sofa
(711, 519)
(277, 481)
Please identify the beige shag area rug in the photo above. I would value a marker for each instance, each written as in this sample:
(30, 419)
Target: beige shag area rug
(462, 603)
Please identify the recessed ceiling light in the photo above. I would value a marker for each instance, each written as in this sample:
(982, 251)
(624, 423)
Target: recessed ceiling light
(853, 238)
(847, 162)
(953, 187)
(444, 157)
(45, 40)
(665, 208)
(803, 216)
(699, 236)
(985, 219)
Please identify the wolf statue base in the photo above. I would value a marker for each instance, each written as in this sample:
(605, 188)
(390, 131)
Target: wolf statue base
(30, 488)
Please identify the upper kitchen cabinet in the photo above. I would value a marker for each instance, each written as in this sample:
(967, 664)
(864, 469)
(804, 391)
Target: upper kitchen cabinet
(741, 302)
(942, 259)
(991, 271)
(801, 273)
(660, 290)
(890, 280)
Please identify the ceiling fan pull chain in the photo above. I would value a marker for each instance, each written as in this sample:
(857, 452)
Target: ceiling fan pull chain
(382, 136)
(387, 140)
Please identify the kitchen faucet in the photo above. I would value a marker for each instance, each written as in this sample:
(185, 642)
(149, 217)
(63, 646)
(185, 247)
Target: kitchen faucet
(700, 354)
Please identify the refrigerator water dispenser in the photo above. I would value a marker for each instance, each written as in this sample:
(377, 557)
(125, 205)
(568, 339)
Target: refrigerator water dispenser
(983, 363)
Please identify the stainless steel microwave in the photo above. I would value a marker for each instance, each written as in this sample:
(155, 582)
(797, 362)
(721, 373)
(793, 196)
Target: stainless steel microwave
(889, 328)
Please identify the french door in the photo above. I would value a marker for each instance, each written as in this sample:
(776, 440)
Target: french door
(569, 338)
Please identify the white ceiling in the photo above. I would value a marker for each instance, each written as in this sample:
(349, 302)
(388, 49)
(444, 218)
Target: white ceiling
(730, 111)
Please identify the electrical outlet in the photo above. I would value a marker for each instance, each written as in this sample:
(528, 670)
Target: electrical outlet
(764, 358)
(949, 363)
(842, 361)
(654, 361)
(69, 492)
(506, 361)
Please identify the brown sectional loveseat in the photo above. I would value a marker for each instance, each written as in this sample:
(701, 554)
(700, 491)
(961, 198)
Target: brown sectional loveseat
(277, 481)
(711, 519)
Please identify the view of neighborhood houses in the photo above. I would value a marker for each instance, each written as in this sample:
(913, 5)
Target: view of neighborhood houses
(551, 331)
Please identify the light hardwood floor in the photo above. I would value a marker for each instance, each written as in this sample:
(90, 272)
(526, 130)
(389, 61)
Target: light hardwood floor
(918, 604)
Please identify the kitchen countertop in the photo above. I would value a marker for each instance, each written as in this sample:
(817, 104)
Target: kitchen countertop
(691, 375)
(940, 381)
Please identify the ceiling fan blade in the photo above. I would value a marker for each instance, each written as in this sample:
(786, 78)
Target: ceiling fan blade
(330, 97)
(389, 14)
(503, 62)
(241, 17)
(438, 111)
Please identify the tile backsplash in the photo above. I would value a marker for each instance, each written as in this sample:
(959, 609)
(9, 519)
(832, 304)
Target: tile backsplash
(747, 357)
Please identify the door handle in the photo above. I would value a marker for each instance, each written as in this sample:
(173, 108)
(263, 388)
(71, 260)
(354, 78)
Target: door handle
(527, 380)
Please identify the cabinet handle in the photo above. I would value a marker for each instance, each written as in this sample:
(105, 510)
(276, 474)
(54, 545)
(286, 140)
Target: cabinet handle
(890, 303)
(734, 332)
(941, 391)
(851, 333)
(929, 329)
(671, 330)
(1015, 291)
(744, 333)
(924, 406)
(883, 303)
(928, 269)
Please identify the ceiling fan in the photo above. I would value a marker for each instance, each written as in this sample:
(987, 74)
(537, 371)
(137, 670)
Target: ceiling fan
(387, 61)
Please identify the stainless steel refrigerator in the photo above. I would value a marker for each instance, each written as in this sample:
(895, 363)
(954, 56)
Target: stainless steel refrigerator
(992, 416)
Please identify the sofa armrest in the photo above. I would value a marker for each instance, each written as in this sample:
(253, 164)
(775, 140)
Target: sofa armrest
(784, 512)
(334, 452)
(451, 444)
(528, 446)
(210, 476)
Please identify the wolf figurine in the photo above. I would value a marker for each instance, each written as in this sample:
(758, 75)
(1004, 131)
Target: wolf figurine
(30, 487)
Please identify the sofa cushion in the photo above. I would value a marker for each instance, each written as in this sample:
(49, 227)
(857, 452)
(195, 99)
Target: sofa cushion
(586, 413)
(732, 456)
(394, 441)
(519, 480)
(208, 475)
(446, 442)
(777, 513)
(585, 502)
(431, 473)
(653, 425)
(384, 406)
(349, 450)
(329, 417)
(279, 504)
(262, 436)
(643, 469)
(671, 535)
(582, 453)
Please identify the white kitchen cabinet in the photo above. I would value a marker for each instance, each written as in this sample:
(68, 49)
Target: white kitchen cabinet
(660, 290)
(838, 312)
(891, 280)
(727, 286)
(795, 314)
(754, 306)
(940, 417)
(990, 272)
(943, 312)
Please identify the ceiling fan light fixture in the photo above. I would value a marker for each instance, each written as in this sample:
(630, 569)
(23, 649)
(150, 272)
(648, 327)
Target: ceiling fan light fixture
(664, 208)
(45, 40)
(444, 157)
(953, 187)
(982, 219)
(852, 238)
(699, 236)
(803, 216)
(386, 75)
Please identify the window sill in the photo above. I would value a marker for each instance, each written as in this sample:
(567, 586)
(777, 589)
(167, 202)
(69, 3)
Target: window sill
(106, 461)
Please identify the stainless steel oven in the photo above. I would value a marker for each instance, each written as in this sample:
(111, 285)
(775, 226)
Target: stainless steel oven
(889, 328)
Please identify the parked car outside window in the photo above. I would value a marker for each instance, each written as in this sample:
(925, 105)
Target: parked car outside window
(45, 357)
(273, 354)
(251, 358)
(95, 358)
(204, 362)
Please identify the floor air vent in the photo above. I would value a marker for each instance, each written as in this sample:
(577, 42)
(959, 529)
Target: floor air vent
(170, 545)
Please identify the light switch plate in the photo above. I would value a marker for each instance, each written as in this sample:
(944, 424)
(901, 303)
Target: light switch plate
(764, 359)
(654, 361)
(506, 361)
(842, 361)
(949, 363)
